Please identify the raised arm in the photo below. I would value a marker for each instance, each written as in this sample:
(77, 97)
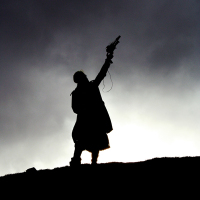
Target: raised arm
(103, 70)
(110, 50)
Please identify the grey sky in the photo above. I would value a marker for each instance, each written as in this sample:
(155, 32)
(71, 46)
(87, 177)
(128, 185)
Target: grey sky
(154, 103)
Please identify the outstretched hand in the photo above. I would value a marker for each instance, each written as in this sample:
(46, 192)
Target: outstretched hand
(109, 57)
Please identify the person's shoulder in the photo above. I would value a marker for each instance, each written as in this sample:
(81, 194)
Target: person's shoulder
(93, 83)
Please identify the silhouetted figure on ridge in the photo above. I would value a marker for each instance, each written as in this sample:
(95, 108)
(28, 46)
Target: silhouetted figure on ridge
(93, 122)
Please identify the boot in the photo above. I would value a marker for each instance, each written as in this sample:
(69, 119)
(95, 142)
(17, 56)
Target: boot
(75, 162)
(95, 155)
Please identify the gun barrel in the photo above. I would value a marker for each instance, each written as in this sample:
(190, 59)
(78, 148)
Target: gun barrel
(111, 47)
(118, 37)
(116, 40)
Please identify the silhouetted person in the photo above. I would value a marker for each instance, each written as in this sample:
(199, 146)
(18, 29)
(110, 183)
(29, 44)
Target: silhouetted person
(93, 121)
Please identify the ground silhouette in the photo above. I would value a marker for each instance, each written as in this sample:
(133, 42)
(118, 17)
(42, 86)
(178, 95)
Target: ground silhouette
(159, 178)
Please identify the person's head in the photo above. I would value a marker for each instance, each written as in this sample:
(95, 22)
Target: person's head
(80, 77)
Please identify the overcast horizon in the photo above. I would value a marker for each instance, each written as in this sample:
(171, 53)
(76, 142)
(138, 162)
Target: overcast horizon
(153, 105)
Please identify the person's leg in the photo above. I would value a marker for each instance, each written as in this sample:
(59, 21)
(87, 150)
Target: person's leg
(76, 160)
(95, 155)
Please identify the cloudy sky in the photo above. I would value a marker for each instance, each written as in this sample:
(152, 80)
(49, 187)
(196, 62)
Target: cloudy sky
(154, 103)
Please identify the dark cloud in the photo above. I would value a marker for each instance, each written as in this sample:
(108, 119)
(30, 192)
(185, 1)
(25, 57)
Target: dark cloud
(175, 33)
(170, 53)
(167, 26)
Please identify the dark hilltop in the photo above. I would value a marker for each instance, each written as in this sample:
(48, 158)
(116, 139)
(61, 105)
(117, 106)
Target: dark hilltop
(158, 177)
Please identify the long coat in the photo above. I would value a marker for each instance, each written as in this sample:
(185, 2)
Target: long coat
(93, 121)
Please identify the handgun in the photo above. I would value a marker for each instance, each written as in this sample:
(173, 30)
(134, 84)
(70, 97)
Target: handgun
(112, 46)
